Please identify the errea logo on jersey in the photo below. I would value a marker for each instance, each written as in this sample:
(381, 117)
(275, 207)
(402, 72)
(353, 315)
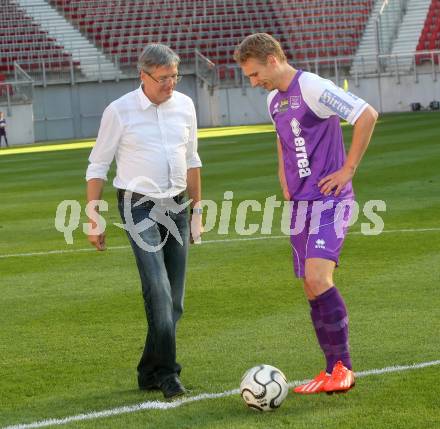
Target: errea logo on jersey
(320, 243)
(296, 129)
(300, 148)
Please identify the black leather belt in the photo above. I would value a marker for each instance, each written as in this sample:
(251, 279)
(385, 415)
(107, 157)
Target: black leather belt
(136, 197)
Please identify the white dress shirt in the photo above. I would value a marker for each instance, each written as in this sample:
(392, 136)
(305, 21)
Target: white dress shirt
(153, 145)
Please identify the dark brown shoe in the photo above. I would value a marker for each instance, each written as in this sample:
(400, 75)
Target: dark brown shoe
(172, 387)
(147, 383)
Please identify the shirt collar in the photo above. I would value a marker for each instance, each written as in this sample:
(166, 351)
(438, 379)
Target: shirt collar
(293, 81)
(145, 102)
(143, 99)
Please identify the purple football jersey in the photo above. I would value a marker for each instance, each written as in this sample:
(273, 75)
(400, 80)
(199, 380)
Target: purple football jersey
(307, 123)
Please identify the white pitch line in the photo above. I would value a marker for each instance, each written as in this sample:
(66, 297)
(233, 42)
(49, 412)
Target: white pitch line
(59, 252)
(225, 240)
(160, 405)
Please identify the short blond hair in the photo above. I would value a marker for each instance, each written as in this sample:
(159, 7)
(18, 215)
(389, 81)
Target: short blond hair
(259, 46)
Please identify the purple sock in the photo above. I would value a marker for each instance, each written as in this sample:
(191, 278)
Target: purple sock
(335, 321)
(321, 335)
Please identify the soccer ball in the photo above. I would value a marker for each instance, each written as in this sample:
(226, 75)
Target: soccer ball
(263, 387)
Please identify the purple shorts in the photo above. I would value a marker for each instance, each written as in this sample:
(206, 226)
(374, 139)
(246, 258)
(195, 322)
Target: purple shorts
(318, 230)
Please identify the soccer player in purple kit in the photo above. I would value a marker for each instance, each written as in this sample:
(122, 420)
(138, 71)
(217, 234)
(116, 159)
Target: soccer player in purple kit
(315, 174)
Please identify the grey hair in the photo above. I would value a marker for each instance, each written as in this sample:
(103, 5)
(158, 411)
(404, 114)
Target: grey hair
(156, 55)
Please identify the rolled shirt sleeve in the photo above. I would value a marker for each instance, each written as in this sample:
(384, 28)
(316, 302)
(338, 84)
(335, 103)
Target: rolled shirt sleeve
(109, 134)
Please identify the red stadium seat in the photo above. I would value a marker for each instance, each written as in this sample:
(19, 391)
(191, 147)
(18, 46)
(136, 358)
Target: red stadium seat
(430, 36)
(24, 41)
(306, 29)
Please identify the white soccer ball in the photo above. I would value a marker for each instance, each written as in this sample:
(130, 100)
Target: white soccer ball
(263, 387)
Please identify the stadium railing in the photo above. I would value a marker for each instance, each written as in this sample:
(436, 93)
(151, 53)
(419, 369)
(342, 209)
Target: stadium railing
(17, 90)
(338, 69)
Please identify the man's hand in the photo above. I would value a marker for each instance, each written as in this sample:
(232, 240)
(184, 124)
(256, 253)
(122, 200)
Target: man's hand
(281, 174)
(363, 128)
(337, 180)
(94, 193)
(196, 228)
(97, 240)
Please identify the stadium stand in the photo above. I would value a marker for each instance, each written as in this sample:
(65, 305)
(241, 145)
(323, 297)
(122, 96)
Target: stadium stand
(22, 40)
(430, 36)
(307, 29)
(324, 29)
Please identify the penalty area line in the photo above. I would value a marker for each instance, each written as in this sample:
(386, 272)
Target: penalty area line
(161, 405)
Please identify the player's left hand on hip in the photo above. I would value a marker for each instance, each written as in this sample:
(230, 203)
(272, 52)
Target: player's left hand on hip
(196, 228)
(335, 181)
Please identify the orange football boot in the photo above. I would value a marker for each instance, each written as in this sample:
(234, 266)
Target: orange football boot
(341, 379)
(316, 385)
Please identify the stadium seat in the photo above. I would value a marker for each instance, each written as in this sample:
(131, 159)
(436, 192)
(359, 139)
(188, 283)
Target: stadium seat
(215, 28)
(24, 41)
(430, 35)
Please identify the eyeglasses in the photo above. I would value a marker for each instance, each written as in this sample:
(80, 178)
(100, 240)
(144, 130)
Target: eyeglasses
(163, 80)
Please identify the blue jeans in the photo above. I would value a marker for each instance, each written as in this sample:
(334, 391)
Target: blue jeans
(162, 274)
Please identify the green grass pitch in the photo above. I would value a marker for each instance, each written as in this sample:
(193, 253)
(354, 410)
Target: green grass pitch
(72, 324)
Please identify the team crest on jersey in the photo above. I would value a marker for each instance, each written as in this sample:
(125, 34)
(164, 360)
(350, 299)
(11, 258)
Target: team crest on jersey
(295, 101)
(284, 105)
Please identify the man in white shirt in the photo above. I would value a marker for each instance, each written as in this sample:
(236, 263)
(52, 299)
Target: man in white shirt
(152, 134)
